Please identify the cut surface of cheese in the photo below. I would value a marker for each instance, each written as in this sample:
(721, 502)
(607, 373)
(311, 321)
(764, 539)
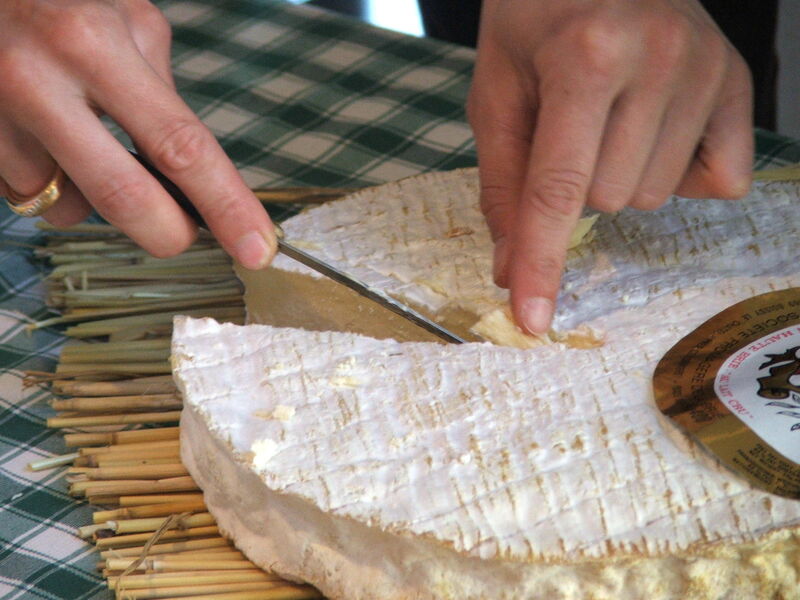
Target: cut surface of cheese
(379, 469)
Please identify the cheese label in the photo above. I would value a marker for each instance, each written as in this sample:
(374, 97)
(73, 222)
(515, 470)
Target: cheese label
(734, 384)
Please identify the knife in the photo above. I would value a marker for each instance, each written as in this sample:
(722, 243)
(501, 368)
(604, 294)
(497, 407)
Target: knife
(312, 262)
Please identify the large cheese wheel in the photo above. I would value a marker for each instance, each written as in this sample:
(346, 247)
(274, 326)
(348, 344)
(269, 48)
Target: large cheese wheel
(380, 469)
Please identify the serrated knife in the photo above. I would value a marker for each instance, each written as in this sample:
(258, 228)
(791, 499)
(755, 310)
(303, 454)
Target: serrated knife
(314, 263)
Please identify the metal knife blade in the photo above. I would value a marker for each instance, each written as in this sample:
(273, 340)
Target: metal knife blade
(354, 284)
(312, 262)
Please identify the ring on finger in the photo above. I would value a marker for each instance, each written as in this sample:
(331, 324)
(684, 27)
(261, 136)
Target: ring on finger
(35, 204)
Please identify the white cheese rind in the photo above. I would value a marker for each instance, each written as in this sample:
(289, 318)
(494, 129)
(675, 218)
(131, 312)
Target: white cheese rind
(398, 238)
(420, 470)
(347, 560)
(569, 458)
(588, 506)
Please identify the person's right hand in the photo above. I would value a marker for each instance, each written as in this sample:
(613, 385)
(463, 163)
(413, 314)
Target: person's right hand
(606, 103)
(63, 63)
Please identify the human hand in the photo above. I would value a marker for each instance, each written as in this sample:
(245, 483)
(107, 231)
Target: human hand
(608, 104)
(63, 63)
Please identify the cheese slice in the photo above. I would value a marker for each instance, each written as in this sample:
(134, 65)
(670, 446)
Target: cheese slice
(381, 469)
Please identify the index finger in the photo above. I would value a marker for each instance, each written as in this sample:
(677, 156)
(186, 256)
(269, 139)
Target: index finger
(566, 142)
(172, 137)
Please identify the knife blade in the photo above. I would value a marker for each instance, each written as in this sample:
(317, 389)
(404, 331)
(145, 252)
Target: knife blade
(312, 262)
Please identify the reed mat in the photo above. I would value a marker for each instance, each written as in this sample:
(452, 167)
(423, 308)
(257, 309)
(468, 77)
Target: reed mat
(114, 400)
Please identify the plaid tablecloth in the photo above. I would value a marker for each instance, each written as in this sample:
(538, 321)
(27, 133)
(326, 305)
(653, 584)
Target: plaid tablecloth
(297, 96)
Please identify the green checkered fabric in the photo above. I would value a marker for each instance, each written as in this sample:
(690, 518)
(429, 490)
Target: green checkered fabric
(302, 96)
(297, 96)
(40, 554)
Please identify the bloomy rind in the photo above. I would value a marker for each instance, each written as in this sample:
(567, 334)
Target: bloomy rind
(347, 560)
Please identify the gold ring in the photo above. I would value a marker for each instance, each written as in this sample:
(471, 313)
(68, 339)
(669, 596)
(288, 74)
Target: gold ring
(36, 204)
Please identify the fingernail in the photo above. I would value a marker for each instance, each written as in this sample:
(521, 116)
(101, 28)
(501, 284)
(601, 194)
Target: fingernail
(537, 314)
(255, 250)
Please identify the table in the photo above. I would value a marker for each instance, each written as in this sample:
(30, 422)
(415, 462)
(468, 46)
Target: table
(297, 96)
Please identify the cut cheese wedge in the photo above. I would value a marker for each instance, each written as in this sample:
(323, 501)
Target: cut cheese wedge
(378, 469)
(419, 470)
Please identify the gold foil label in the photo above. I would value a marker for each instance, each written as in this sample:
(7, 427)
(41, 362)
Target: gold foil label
(734, 383)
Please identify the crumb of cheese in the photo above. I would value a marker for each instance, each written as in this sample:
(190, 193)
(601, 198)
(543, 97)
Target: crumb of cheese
(499, 328)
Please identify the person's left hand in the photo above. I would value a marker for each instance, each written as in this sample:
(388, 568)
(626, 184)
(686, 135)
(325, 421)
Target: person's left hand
(608, 103)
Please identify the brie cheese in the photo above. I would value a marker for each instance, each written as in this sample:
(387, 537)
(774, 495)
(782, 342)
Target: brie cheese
(420, 470)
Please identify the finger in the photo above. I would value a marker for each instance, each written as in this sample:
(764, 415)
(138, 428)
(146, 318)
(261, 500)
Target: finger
(673, 151)
(503, 133)
(633, 129)
(570, 126)
(723, 165)
(26, 165)
(113, 181)
(176, 142)
(630, 136)
(685, 124)
(26, 168)
(71, 208)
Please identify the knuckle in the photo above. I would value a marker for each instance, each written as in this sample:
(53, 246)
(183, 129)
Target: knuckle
(81, 33)
(719, 65)
(601, 45)
(498, 215)
(120, 202)
(487, 112)
(740, 77)
(182, 147)
(494, 196)
(227, 208)
(719, 52)
(558, 193)
(738, 99)
(77, 35)
(148, 19)
(670, 41)
(511, 129)
(171, 244)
